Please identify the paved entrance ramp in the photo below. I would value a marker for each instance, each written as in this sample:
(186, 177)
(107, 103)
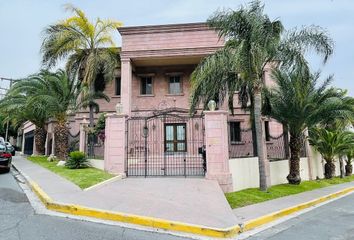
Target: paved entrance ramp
(190, 200)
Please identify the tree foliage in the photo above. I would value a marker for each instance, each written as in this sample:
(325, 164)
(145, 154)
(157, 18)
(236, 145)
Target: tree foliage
(253, 42)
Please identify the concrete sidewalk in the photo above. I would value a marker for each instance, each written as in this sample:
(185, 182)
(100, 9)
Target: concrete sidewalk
(190, 200)
(254, 211)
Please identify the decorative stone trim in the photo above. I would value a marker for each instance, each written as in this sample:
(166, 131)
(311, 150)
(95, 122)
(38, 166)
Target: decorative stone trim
(163, 28)
(185, 52)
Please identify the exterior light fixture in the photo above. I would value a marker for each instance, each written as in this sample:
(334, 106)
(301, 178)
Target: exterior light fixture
(212, 105)
(119, 108)
(145, 131)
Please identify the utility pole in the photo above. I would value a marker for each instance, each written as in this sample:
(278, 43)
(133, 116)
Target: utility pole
(7, 123)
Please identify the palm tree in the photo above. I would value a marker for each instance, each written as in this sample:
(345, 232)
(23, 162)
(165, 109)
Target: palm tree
(51, 95)
(15, 105)
(88, 48)
(253, 41)
(58, 95)
(300, 102)
(331, 143)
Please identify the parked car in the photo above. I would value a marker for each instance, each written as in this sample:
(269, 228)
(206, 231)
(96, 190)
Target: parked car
(5, 159)
(10, 148)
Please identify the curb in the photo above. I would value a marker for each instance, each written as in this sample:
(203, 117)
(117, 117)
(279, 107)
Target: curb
(257, 222)
(132, 219)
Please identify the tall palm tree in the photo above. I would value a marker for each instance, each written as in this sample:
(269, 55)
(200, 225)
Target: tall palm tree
(15, 105)
(331, 143)
(87, 46)
(299, 102)
(253, 41)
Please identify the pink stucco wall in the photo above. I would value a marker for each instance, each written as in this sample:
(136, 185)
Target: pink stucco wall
(168, 37)
(161, 99)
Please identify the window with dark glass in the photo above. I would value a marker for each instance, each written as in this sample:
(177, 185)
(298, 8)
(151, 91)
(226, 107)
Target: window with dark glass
(235, 131)
(99, 83)
(146, 85)
(118, 84)
(266, 129)
(175, 85)
(175, 137)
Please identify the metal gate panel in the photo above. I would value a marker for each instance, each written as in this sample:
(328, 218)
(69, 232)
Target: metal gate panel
(165, 144)
(29, 140)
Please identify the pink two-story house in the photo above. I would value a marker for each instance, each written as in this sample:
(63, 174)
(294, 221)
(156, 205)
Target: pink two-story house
(152, 89)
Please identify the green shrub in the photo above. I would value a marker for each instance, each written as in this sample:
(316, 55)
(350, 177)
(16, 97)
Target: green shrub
(76, 160)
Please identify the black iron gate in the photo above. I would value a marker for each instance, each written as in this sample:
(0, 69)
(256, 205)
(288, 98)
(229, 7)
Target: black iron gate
(29, 140)
(167, 143)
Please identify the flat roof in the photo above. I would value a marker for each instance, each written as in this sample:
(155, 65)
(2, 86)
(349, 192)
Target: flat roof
(199, 26)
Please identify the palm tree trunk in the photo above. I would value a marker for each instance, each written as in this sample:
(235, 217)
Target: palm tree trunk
(341, 166)
(348, 169)
(294, 171)
(330, 169)
(90, 135)
(264, 168)
(61, 140)
(40, 135)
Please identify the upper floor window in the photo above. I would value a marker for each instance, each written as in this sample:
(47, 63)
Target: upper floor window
(146, 85)
(118, 86)
(175, 85)
(99, 83)
(235, 132)
(266, 130)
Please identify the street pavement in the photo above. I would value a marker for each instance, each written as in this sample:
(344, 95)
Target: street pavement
(332, 221)
(18, 221)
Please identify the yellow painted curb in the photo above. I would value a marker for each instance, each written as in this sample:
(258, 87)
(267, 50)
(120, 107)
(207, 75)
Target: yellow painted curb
(132, 219)
(251, 224)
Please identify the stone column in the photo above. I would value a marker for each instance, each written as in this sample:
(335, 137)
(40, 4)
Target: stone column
(217, 148)
(23, 142)
(35, 152)
(53, 144)
(115, 142)
(82, 142)
(126, 85)
(46, 152)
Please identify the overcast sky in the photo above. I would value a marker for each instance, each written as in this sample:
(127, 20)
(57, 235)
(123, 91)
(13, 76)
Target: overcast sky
(21, 24)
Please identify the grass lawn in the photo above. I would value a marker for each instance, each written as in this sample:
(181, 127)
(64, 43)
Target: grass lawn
(254, 195)
(84, 177)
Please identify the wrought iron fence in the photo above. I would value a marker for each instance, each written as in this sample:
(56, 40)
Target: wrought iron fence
(98, 146)
(243, 148)
(277, 146)
(74, 142)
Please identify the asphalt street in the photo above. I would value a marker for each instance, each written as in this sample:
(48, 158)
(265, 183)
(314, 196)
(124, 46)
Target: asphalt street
(332, 221)
(18, 221)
